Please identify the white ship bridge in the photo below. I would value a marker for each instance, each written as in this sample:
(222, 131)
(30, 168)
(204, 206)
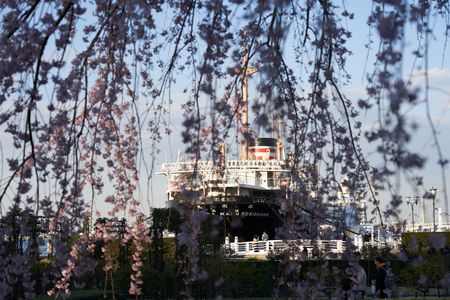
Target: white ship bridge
(227, 179)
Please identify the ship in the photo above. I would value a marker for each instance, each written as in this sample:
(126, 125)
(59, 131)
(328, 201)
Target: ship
(246, 192)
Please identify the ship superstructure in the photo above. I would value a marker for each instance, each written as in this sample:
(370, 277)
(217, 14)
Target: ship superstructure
(249, 189)
(240, 178)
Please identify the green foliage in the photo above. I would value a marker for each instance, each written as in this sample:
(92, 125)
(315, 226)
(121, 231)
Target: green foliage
(426, 272)
(231, 279)
(369, 252)
(160, 285)
(166, 218)
(39, 268)
(419, 242)
(426, 266)
(81, 295)
(225, 278)
(162, 219)
(211, 239)
(249, 278)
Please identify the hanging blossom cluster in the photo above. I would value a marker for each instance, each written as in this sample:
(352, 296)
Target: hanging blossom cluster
(139, 234)
(391, 93)
(80, 81)
(190, 231)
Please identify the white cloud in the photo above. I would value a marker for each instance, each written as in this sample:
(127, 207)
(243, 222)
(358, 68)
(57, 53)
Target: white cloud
(355, 92)
(439, 79)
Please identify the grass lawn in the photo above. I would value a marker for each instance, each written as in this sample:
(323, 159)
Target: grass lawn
(81, 295)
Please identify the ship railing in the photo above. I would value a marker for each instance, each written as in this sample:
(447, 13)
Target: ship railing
(208, 165)
(258, 247)
(393, 242)
(202, 165)
(178, 184)
(255, 164)
(314, 249)
(178, 181)
(427, 227)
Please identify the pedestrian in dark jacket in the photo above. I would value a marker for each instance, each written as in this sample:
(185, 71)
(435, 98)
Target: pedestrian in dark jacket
(380, 277)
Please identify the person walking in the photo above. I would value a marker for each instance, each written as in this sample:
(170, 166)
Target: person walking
(304, 253)
(380, 278)
(359, 282)
(265, 236)
(346, 284)
(255, 243)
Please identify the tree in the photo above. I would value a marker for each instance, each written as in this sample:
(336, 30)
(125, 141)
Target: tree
(83, 83)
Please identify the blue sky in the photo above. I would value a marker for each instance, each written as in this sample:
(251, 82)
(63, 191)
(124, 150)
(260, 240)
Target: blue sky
(358, 65)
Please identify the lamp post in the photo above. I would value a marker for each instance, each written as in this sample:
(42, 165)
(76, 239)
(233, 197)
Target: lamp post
(412, 203)
(416, 201)
(433, 191)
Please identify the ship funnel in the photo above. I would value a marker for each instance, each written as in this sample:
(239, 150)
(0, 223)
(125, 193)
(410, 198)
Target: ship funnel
(263, 149)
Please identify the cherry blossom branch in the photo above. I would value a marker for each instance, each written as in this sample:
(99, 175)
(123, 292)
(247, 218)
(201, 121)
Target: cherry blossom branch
(23, 18)
(19, 168)
(355, 150)
(188, 13)
(34, 94)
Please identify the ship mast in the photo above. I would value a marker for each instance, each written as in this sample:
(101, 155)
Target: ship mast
(245, 73)
(280, 139)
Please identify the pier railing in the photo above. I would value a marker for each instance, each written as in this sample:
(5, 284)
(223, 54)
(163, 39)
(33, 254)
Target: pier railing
(427, 227)
(328, 248)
